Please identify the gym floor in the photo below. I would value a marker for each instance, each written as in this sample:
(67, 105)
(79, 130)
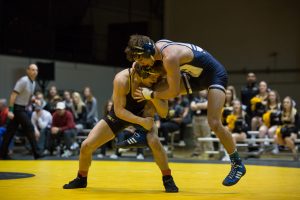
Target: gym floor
(127, 179)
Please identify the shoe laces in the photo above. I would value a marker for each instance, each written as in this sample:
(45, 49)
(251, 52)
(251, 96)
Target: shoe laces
(74, 180)
(233, 171)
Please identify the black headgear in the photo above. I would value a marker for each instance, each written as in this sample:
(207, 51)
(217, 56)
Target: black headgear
(146, 71)
(147, 50)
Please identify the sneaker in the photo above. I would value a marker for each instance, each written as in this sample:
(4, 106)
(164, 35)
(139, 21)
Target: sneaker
(67, 153)
(74, 146)
(261, 150)
(46, 152)
(226, 158)
(79, 182)
(181, 143)
(169, 184)
(138, 140)
(295, 154)
(140, 157)
(100, 155)
(275, 150)
(113, 156)
(121, 150)
(166, 148)
(235, 174)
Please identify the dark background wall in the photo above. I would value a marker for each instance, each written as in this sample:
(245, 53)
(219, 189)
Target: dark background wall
(245, 35)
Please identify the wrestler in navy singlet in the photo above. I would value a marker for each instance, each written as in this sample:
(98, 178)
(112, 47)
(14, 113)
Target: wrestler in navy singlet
(204, 71)
(116, 124)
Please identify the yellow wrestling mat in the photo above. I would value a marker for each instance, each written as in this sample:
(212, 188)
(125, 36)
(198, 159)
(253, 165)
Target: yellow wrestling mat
(142, 180)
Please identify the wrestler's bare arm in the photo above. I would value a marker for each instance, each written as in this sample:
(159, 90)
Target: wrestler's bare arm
(120, 90)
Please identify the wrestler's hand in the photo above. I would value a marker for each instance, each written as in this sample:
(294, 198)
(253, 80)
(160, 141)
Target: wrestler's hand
(142, 93)
(147, 123)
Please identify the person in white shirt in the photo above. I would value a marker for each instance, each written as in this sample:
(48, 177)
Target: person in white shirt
(41, 120)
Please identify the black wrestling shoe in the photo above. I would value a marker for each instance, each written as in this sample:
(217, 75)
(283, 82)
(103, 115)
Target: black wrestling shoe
(138, 140)
(169, 184)
(79, 182)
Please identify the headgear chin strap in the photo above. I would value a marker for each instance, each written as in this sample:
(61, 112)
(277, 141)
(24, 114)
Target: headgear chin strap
(147, 50)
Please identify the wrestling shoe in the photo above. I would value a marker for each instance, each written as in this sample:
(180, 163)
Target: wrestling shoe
(235, 174)
(78, 182)
(169, 184)
(138, 140)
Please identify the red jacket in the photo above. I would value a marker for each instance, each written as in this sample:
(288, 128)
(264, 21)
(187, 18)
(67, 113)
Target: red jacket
(63, 122)
(3, 117)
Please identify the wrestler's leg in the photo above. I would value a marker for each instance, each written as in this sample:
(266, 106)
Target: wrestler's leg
(216, 99)
(98, 136)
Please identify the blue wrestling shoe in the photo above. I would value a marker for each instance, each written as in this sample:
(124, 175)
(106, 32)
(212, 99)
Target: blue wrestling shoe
(237, 170)
(138, 140)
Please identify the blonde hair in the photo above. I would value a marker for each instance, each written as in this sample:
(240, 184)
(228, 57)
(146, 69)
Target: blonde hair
(80, 103)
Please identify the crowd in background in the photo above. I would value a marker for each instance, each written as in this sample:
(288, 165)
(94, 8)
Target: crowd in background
(59, 118)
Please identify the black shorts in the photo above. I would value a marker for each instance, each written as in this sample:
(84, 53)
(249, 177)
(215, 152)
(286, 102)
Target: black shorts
(117, 125)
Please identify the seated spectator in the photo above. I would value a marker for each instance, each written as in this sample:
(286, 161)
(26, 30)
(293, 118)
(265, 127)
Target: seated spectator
(171, 123)
(79, 111)
(233, 91)
(91, 107)
(52, 99)
(200, 124)
(186, 118)
(227, 109)
(41, 120)
(259, 106)
(106, 109)
(236, 123)
(4, 122)
(68, 102)
(286, 133)
(39, 96)
(63, 126)
(271, 119)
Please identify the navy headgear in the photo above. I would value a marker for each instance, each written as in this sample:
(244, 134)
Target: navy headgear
(147, 50)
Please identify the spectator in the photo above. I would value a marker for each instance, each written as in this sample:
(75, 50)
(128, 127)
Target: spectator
(259, 106)
(286, 134)
(63, 126)
(200, 124)
(233, 91)
(39, 96)
(3, 123)
(52, 98)
(106, 110)
(173, 121)
(271, 119)
(248, 92)
(236, 123)
(186, 118)
(227, 109)
(69, 102)
(41, 120)
(91, 106)
(79, 111)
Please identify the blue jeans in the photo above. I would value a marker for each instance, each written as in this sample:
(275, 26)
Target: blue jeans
(2, 132)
